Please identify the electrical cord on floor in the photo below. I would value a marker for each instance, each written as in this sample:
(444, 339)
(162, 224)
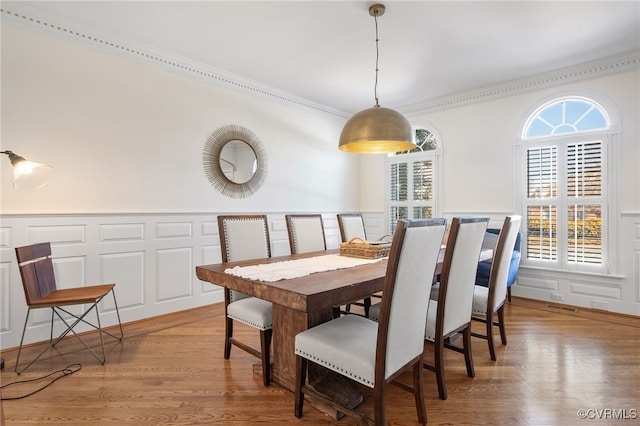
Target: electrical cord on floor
(67, 371)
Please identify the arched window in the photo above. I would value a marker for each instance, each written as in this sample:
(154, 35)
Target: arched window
(564, 155)
(413, 180)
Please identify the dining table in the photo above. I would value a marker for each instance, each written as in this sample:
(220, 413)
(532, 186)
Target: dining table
(302, 302)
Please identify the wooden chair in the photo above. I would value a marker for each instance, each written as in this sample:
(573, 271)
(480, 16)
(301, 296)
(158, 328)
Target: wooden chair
(375, 354)
(352, 226)
(450, 314)
(306, 233)
(40, 290)
(484, 268)
(245, 237)
(488, 301)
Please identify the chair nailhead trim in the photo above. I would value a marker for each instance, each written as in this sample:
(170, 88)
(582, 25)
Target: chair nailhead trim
(334, 367)
(252, 324)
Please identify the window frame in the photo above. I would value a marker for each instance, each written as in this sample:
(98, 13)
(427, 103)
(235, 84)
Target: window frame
(609, 138)
(435, 156)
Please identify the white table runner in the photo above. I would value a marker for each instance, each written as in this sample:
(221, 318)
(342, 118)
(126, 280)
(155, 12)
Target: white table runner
(270, 272)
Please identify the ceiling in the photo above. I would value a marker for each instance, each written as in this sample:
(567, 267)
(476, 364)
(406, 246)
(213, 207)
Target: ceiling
(324, 51)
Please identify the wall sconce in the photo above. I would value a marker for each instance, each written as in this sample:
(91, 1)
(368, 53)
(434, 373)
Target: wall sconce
(28, 174)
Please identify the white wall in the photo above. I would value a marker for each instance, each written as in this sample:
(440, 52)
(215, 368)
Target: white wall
(128, 136)
(479, 178)
(129, 201)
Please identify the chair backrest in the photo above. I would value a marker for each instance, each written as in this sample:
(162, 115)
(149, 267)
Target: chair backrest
(36, 271)
(457, 281)
(306, 233)
(243, 237)
(502, 261)
(351, 226)
(410, 268)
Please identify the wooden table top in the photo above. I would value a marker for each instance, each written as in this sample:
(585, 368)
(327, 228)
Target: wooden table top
(312, 292)
(309, 293)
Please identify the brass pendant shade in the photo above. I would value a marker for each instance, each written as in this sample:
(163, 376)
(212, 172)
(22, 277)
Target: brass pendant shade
(377, 129)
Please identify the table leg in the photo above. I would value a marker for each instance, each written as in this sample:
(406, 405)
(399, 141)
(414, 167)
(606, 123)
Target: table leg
(286, 324)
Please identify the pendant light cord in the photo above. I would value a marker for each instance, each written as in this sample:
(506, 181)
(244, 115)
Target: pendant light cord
(375, 88)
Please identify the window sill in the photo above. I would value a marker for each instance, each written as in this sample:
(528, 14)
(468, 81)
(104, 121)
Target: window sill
(567, 272)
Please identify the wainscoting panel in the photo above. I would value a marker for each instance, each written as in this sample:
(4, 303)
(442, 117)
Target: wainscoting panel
(70, 234)
(537, 283)
(174, 269)
(122, 232)
(152, 260)
(126, 270)
(5, 318)
(150, 257)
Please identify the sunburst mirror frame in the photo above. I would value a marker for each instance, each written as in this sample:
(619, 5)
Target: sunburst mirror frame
(213, 170)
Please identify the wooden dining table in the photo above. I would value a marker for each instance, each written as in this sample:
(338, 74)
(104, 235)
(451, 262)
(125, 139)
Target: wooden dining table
(301, 303)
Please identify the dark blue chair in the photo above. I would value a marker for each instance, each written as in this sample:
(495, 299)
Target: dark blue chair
(484, 268)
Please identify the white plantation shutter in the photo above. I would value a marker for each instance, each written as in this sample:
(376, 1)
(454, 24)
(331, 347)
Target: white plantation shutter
(584, 198)
(412, 181)
(565, 169)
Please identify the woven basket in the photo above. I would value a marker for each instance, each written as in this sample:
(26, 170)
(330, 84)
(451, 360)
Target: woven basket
(357, 247)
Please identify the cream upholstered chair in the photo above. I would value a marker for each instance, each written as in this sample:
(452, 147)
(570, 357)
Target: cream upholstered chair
(41, 292)
(450, 313)
(244, 237)
(374, 354)
(352, 226)
(488, 301)
(306, 233)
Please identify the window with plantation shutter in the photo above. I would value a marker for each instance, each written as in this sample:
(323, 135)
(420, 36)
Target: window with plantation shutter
(412, 180)
(565, 202)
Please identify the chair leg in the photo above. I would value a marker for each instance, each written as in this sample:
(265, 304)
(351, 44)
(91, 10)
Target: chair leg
(115, 303)
(509, 294)
(418, 392)
(228, 332)
(265, 346)
(468, 358)
(378, 404)
(24, 330)
(301, 377)
(489, 326)
(503, 332)
(439, 367)
(367, 305)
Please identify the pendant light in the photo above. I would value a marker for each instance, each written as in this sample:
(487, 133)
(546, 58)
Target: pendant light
(377, 129)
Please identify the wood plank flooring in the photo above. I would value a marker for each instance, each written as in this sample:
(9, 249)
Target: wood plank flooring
(170, 371)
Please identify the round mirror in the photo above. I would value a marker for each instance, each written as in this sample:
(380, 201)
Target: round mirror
(238, 161)
(235, 161)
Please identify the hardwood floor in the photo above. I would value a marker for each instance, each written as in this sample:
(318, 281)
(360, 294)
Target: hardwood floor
(170, 371)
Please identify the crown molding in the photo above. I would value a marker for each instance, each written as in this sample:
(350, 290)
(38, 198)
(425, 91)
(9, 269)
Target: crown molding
(22, 13)
(587, 70)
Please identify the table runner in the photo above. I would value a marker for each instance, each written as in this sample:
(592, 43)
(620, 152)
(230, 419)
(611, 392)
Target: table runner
(270, 272)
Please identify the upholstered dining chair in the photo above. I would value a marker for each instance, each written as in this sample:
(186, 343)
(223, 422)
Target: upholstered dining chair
(484, 268)
(245, 237)
(306, 233)
(351, 226)
(40, 290)
(488, 301)
(450, 313)
(375, 354)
